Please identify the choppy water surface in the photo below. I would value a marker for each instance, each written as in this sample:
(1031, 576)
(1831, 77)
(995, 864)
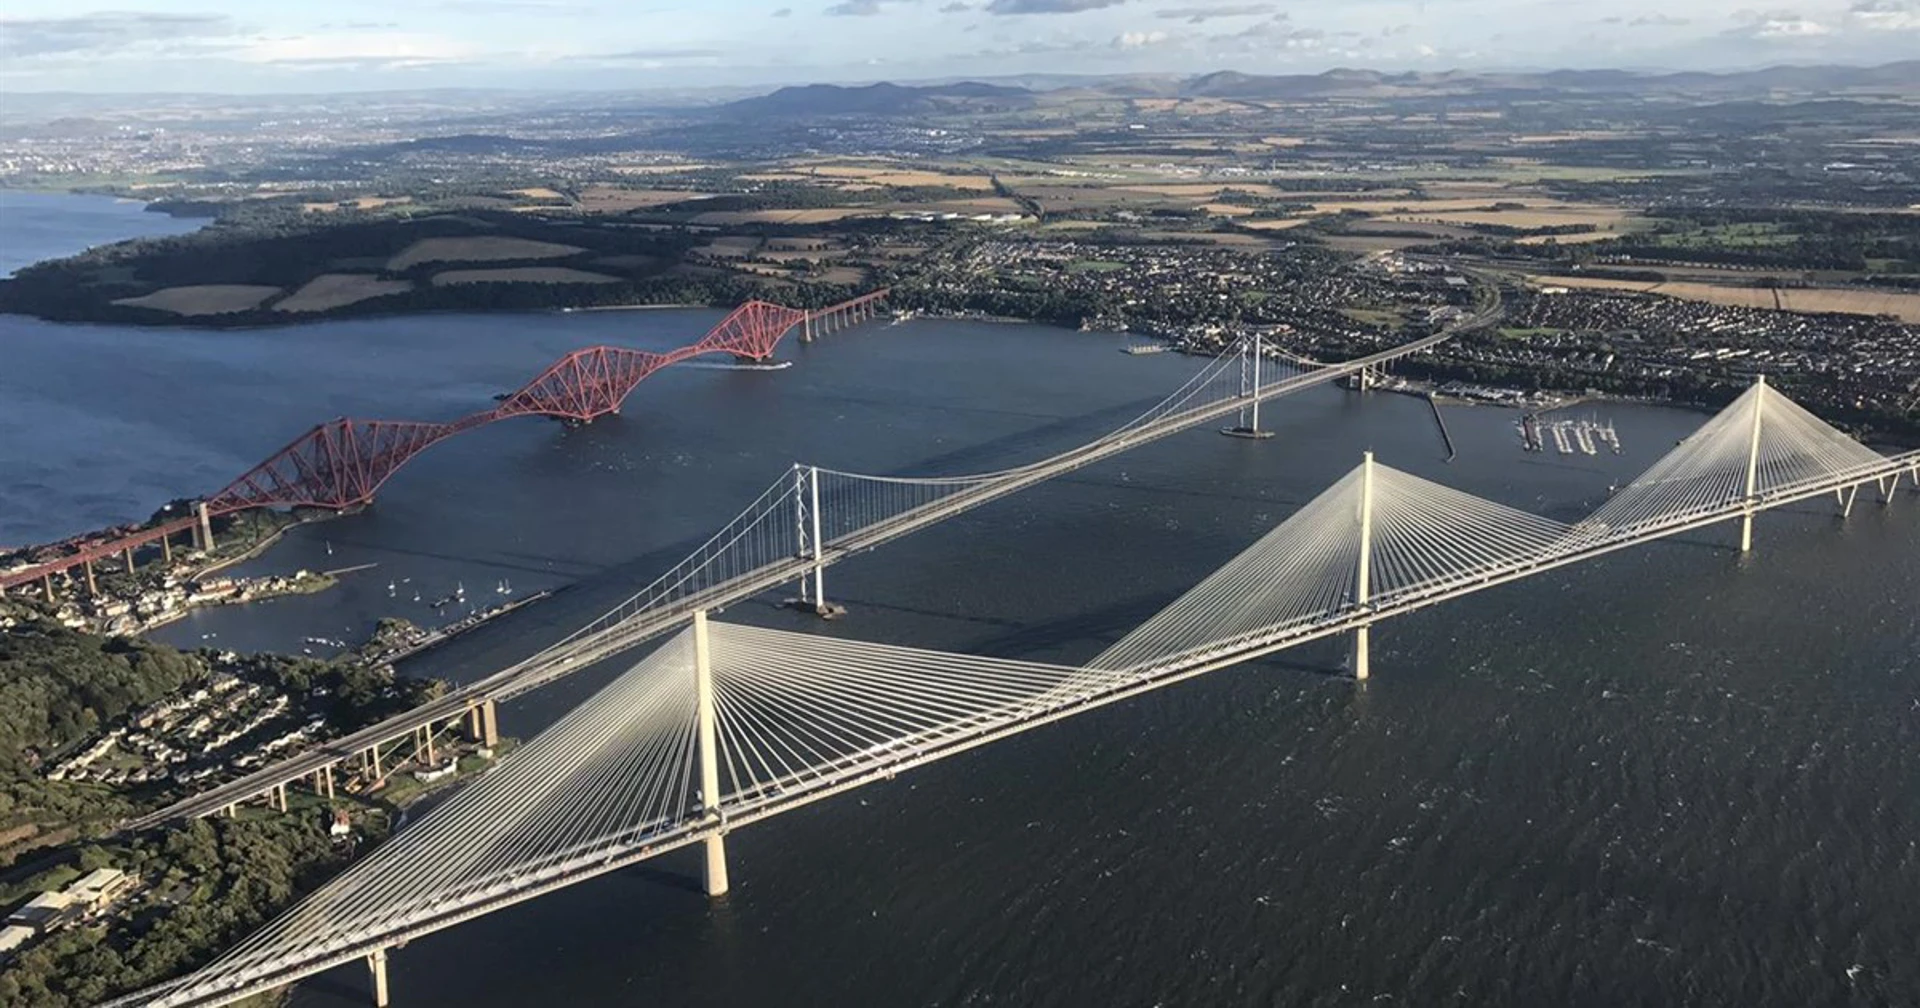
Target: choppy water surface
(1675, 775)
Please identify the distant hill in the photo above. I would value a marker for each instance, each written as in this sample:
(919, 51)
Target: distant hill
(1016, 93)
(880, 99)
(1903, 76)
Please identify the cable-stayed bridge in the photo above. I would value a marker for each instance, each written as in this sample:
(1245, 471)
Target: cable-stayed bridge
(724, 725)
(809, 519)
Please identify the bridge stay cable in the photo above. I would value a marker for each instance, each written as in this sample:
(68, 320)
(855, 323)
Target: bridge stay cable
(798, 717)
(722, 571)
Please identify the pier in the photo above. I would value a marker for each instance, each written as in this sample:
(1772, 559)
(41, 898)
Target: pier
(1440, 420)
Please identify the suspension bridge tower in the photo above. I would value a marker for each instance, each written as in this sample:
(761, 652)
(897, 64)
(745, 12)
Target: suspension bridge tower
(1251, 350)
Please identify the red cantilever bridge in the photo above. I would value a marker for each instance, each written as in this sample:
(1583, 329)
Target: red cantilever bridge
(341, 463)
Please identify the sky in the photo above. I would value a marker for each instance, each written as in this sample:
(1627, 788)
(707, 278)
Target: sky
(337, 45)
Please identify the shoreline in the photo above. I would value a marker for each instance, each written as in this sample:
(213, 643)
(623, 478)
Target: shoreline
(212, 323)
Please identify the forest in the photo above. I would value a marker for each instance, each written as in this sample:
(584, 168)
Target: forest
(272, 246)
(204, 883)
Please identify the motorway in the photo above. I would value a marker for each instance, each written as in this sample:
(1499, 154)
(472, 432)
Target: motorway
(579, 652)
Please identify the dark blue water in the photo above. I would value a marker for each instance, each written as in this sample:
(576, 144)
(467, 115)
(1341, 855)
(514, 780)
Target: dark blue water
(37, 225)
(1672, 776)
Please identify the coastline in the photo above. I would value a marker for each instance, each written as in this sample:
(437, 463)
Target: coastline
(292, 320)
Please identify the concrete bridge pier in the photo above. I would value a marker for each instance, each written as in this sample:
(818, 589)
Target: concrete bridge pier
(129, 558)
(377, 965)
(714, 876)
(93, 587)
(483, 723)
(46, 584)
(204, 530)
(1362, 657)
(1753, 472)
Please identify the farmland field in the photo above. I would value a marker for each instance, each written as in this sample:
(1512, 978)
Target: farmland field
(203, 299)
(337, 290)
(1809, 300)
(481, 248)
(522, 274)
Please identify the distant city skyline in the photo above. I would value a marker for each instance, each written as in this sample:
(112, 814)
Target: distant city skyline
(229, 45)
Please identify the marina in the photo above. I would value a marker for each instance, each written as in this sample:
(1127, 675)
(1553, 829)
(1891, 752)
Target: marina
(428, 639)
(1583, 436)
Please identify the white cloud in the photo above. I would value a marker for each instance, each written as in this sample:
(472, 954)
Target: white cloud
(1886, 15)
(1777, 25)
(111, 33)
(1138, 39)
(386, 50)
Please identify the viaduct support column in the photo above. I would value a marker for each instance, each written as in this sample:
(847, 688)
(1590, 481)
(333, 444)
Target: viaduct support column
(377, 965)
(489, 724)
(206, 527)
(1753, 466)
(46, 583)
(166, 549)
(129, 558)
(93, 587)
(1362, 588)
(716, 867)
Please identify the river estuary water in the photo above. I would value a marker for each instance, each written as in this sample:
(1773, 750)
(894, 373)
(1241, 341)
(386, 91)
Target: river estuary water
(1672, 776)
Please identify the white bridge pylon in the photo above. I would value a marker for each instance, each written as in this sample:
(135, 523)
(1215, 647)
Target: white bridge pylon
(724, 725)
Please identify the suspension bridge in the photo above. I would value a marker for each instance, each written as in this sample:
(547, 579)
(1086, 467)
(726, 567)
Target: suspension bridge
(725, 725)
(809, 519)
(342, 463)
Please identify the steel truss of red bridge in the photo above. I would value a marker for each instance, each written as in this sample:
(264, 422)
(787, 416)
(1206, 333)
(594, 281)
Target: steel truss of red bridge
(343, 462)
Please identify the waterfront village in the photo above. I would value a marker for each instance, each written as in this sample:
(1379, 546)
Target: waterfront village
(132, 608)
(234, 713)
(1554, 337)
(156, 583)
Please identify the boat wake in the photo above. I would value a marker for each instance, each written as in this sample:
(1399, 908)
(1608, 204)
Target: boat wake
(714, 366)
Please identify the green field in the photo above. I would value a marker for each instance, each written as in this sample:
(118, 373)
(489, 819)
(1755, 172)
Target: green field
(1755, 235)
(1375, 316)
